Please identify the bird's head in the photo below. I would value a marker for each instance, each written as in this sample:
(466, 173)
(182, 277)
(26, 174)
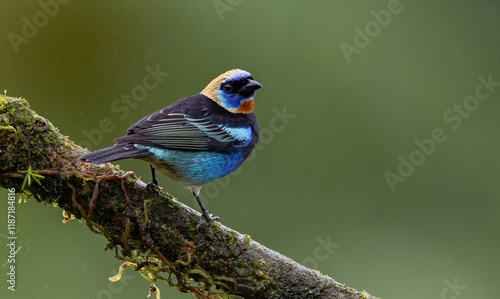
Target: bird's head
(234, 91)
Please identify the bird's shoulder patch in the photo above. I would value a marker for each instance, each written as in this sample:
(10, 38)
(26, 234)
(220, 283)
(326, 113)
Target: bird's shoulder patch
(243, 134)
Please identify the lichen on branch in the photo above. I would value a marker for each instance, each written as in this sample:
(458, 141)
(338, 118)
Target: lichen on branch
(149, 231)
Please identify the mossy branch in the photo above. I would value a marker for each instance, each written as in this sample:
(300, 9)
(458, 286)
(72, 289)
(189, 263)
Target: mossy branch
(154, 234)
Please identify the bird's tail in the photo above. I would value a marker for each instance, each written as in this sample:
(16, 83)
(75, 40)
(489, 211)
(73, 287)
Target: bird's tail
(116, 152)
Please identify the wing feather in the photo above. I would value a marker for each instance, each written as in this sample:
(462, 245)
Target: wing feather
(181, 126)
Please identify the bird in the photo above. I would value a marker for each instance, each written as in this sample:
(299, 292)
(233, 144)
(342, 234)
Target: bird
(196, 139)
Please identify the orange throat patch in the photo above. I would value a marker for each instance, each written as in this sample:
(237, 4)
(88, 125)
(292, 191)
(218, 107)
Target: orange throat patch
(245, 107)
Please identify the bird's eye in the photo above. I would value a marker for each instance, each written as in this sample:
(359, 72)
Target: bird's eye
(227, 87)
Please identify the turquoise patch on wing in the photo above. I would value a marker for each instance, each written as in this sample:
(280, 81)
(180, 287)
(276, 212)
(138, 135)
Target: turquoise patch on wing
(241, 134)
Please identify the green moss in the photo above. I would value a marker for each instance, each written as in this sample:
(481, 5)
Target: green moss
(30, 174)
(247, 239)
(34, 144)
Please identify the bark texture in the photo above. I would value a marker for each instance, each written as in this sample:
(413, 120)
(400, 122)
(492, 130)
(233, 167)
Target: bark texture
(145, 226)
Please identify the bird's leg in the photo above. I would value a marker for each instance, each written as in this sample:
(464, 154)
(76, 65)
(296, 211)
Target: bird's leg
(206, 216)
(153, 174)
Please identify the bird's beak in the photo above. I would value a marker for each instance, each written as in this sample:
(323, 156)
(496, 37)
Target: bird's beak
(250, 87)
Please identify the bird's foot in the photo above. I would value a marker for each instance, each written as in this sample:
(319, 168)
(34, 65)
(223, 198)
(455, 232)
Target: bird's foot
(207, 218)
(155, 182)
(153, 175)
(154, 185)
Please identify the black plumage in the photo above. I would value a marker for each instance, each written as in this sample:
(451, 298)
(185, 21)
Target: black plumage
(178, 127)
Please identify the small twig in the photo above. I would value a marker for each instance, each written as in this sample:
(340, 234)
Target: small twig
(95, 194)
(165, 227)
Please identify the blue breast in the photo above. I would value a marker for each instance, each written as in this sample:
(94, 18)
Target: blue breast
(196, 168)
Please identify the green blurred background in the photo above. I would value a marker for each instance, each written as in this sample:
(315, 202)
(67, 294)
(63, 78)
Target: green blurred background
(318, 174)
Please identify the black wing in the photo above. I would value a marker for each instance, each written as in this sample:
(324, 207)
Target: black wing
(188, 124)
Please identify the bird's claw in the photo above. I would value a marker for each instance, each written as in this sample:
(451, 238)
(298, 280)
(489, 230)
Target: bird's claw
(207, 219)
(153, 175)
(154, 184)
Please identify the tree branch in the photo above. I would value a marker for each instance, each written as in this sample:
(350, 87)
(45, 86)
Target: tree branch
(146, 227)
